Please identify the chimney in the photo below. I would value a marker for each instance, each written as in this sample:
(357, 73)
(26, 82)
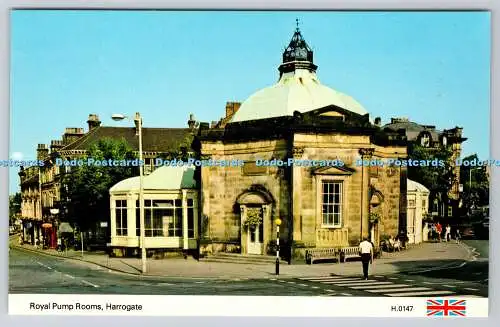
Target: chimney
(42, 152)
(55, 145)
(191, 121)
(93, 121)
(231, 108)
(72, 134)
(399, 120)
(378, 121)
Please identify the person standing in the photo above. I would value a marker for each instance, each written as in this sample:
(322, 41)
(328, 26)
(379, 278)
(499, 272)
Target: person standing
(366, 253)
(447, 233)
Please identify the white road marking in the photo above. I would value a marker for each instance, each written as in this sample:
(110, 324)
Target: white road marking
(89, 283)
(364, 283)
(369, 287)
(393, 278)
(346, 294)
(471, 289)
(409, 280)
(302, 284)
(378, 276)
(460, 282)
(164, 284)
(273, 278)
(430, 283)
(291, 282)
(315, 286)
(48, 267)
(400, 290)
(199, 282)
(343, 280)
(330, 290)
(317, 279)
(449, 286)
(421, 293)
(69, 276)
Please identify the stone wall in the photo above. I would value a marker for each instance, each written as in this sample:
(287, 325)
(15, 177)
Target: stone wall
(221, 187)
(302, 220)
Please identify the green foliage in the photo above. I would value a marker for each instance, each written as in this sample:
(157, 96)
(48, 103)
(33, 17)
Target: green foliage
(253, 219)
(87, 187)
(437, 179)
(476, 184)
(14, 206)
(374, 218)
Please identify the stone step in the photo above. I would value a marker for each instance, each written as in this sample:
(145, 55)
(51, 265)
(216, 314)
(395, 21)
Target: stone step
(242, 258)
(244, 262)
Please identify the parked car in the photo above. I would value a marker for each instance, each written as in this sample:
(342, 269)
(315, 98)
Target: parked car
(468, 232)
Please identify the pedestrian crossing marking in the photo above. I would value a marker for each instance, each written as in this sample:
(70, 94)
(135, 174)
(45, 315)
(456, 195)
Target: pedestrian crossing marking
(382, 287)
(370, 287)
(433, 293)
(378, 276)
(349, 281)
(302, 284)
(366, 283)
(318, 279)
(400, 290)
(471, 289)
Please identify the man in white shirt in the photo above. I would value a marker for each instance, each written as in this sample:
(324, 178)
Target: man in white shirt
(366, 253)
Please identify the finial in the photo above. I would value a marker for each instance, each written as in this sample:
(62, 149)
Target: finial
(297, 22)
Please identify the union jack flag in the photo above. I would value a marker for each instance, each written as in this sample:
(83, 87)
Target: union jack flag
(442, 308)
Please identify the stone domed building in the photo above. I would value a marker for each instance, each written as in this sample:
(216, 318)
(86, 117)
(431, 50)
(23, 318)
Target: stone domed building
(326, 199)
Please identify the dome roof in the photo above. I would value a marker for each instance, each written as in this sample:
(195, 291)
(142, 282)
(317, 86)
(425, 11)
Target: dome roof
(163, 178)
(412, 186)
(298, 89)
(295, 91)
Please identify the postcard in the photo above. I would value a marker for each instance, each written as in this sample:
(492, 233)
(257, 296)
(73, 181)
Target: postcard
(326, 159)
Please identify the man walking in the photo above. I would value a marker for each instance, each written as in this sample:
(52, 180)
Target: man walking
(366, 253)
(439, 230)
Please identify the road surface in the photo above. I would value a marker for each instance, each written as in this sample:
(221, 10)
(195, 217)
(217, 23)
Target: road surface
(31, 272)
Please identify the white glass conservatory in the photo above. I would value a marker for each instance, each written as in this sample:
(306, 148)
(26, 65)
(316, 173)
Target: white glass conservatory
(170, 211)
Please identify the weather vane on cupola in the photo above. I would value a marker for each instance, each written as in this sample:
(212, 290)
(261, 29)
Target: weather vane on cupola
(297, 54)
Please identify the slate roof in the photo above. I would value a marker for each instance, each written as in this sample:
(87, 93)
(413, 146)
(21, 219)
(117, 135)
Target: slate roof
(154, 139)
(413, 130)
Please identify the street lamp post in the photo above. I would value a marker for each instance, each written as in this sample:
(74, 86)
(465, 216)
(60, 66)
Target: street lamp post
(278, 223)
(138, 120)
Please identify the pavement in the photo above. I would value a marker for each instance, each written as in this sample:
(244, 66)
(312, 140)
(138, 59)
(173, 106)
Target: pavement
(420, 258)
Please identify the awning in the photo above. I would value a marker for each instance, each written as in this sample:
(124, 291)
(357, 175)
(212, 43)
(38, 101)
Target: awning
(65, 228)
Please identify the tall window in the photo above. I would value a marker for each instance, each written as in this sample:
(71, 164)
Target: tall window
(162, 218)
(190, 211)
(332, 203)
(121, 217)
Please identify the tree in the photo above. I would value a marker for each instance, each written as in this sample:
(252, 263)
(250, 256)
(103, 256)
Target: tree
(476, 184)
(14, 207)
(438, 179)
(85, 190)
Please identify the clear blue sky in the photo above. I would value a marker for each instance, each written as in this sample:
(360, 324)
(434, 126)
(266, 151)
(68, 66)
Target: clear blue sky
(433, 67)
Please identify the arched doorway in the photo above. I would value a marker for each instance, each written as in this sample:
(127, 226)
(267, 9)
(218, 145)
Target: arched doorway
(375, 216)
(255, 206)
